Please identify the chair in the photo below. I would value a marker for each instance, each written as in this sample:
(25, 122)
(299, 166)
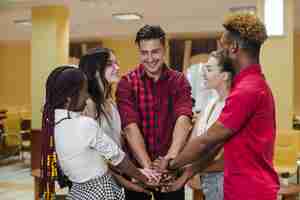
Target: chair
(11, 138)
(286, 151)
(2, 117)
(25, 136)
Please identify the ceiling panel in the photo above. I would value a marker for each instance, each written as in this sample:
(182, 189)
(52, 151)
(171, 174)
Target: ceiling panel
(93, 18)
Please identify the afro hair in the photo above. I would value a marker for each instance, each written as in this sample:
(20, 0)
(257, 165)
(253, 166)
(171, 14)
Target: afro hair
(248, 26)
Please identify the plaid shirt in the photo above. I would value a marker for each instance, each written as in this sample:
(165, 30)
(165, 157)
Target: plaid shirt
(154, 106)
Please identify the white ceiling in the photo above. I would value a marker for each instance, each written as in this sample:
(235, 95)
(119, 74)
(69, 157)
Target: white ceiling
(93, 18)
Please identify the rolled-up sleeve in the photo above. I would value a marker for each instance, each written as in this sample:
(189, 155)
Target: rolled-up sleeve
(126, 103)
(183, 98)
(103, 144)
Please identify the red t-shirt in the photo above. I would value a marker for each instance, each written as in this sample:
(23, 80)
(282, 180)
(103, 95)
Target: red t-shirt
(250, 113)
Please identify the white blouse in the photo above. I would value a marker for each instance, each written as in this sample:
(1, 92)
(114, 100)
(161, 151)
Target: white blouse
(202, 95)
(82, 146)
(113, 127)
(209, 116)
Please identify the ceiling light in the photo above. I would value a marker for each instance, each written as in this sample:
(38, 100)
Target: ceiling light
(24, 22)
(247, 9)
(127, 16)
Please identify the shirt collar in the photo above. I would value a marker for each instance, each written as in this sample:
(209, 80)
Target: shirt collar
(250, 69)
(164, 75)
(63, 113)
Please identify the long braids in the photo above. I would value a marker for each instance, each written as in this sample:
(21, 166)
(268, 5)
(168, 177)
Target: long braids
(63, 82)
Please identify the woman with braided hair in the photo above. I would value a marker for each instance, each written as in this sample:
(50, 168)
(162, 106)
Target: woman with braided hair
(78, 142)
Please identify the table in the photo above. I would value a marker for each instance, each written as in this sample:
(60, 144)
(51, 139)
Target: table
(289, 192)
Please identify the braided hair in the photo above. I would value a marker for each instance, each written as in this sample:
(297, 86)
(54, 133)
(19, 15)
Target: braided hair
(63, 82)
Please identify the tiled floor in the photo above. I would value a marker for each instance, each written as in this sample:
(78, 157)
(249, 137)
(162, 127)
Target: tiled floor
(16, 182)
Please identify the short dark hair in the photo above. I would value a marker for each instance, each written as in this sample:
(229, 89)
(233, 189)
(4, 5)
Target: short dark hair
(249, 46)
(149, 32)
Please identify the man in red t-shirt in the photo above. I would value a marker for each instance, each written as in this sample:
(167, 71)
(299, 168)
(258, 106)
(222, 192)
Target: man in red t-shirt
(246, 126)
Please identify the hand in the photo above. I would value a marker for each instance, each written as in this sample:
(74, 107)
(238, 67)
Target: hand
(153, 176)
(175, 185)
(195, 117)
(194, 182)
(167, 178)
(161, 164)
(130, 185)
(90, 109)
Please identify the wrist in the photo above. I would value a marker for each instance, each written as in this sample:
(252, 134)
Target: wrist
(169, 156)
(146, 164)
(170, 165)
(188, 172)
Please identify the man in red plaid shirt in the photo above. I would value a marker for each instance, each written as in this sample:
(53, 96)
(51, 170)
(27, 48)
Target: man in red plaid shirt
(155, 105)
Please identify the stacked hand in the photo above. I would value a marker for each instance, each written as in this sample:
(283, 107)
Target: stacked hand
(169, 179)
(159, 178)
(162, 179)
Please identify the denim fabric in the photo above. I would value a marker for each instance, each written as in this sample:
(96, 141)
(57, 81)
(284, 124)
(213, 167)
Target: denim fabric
(212, 185)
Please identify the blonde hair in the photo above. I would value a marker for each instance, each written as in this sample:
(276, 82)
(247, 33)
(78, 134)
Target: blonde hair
(247, 25)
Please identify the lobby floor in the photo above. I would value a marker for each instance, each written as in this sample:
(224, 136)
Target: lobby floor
(16, 182)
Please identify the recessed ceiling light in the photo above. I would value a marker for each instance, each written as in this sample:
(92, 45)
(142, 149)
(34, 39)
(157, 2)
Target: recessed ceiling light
(127, 16)
(248, 9)
(24, 22)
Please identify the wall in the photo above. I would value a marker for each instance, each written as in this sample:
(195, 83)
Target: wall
(15, 70)
(297, 74)
(125, 50)
(15, 74)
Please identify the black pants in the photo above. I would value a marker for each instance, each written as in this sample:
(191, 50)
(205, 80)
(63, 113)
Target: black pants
(131, 195)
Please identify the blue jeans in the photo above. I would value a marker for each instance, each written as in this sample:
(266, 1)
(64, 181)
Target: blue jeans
(212, 185)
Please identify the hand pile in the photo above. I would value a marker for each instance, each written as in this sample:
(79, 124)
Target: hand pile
(162, 179)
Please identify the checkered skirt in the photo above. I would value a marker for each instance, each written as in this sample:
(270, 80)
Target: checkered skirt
(102, 188)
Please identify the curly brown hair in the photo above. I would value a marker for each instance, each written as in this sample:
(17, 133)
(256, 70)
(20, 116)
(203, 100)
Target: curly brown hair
(248, 26)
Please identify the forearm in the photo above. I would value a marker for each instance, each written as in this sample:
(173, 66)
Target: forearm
(127, 167)
(137, 145)
(196, 151)
(201, 146)
(180, 134)
(127, 183)
(203, 163)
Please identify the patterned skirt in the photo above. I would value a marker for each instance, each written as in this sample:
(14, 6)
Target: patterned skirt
(102, 188)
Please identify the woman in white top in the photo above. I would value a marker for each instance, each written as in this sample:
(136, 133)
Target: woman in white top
(101, 68)
(82, 147)
(218, 76)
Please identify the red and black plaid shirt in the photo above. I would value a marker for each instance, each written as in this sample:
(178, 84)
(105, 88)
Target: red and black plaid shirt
(154, 106)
